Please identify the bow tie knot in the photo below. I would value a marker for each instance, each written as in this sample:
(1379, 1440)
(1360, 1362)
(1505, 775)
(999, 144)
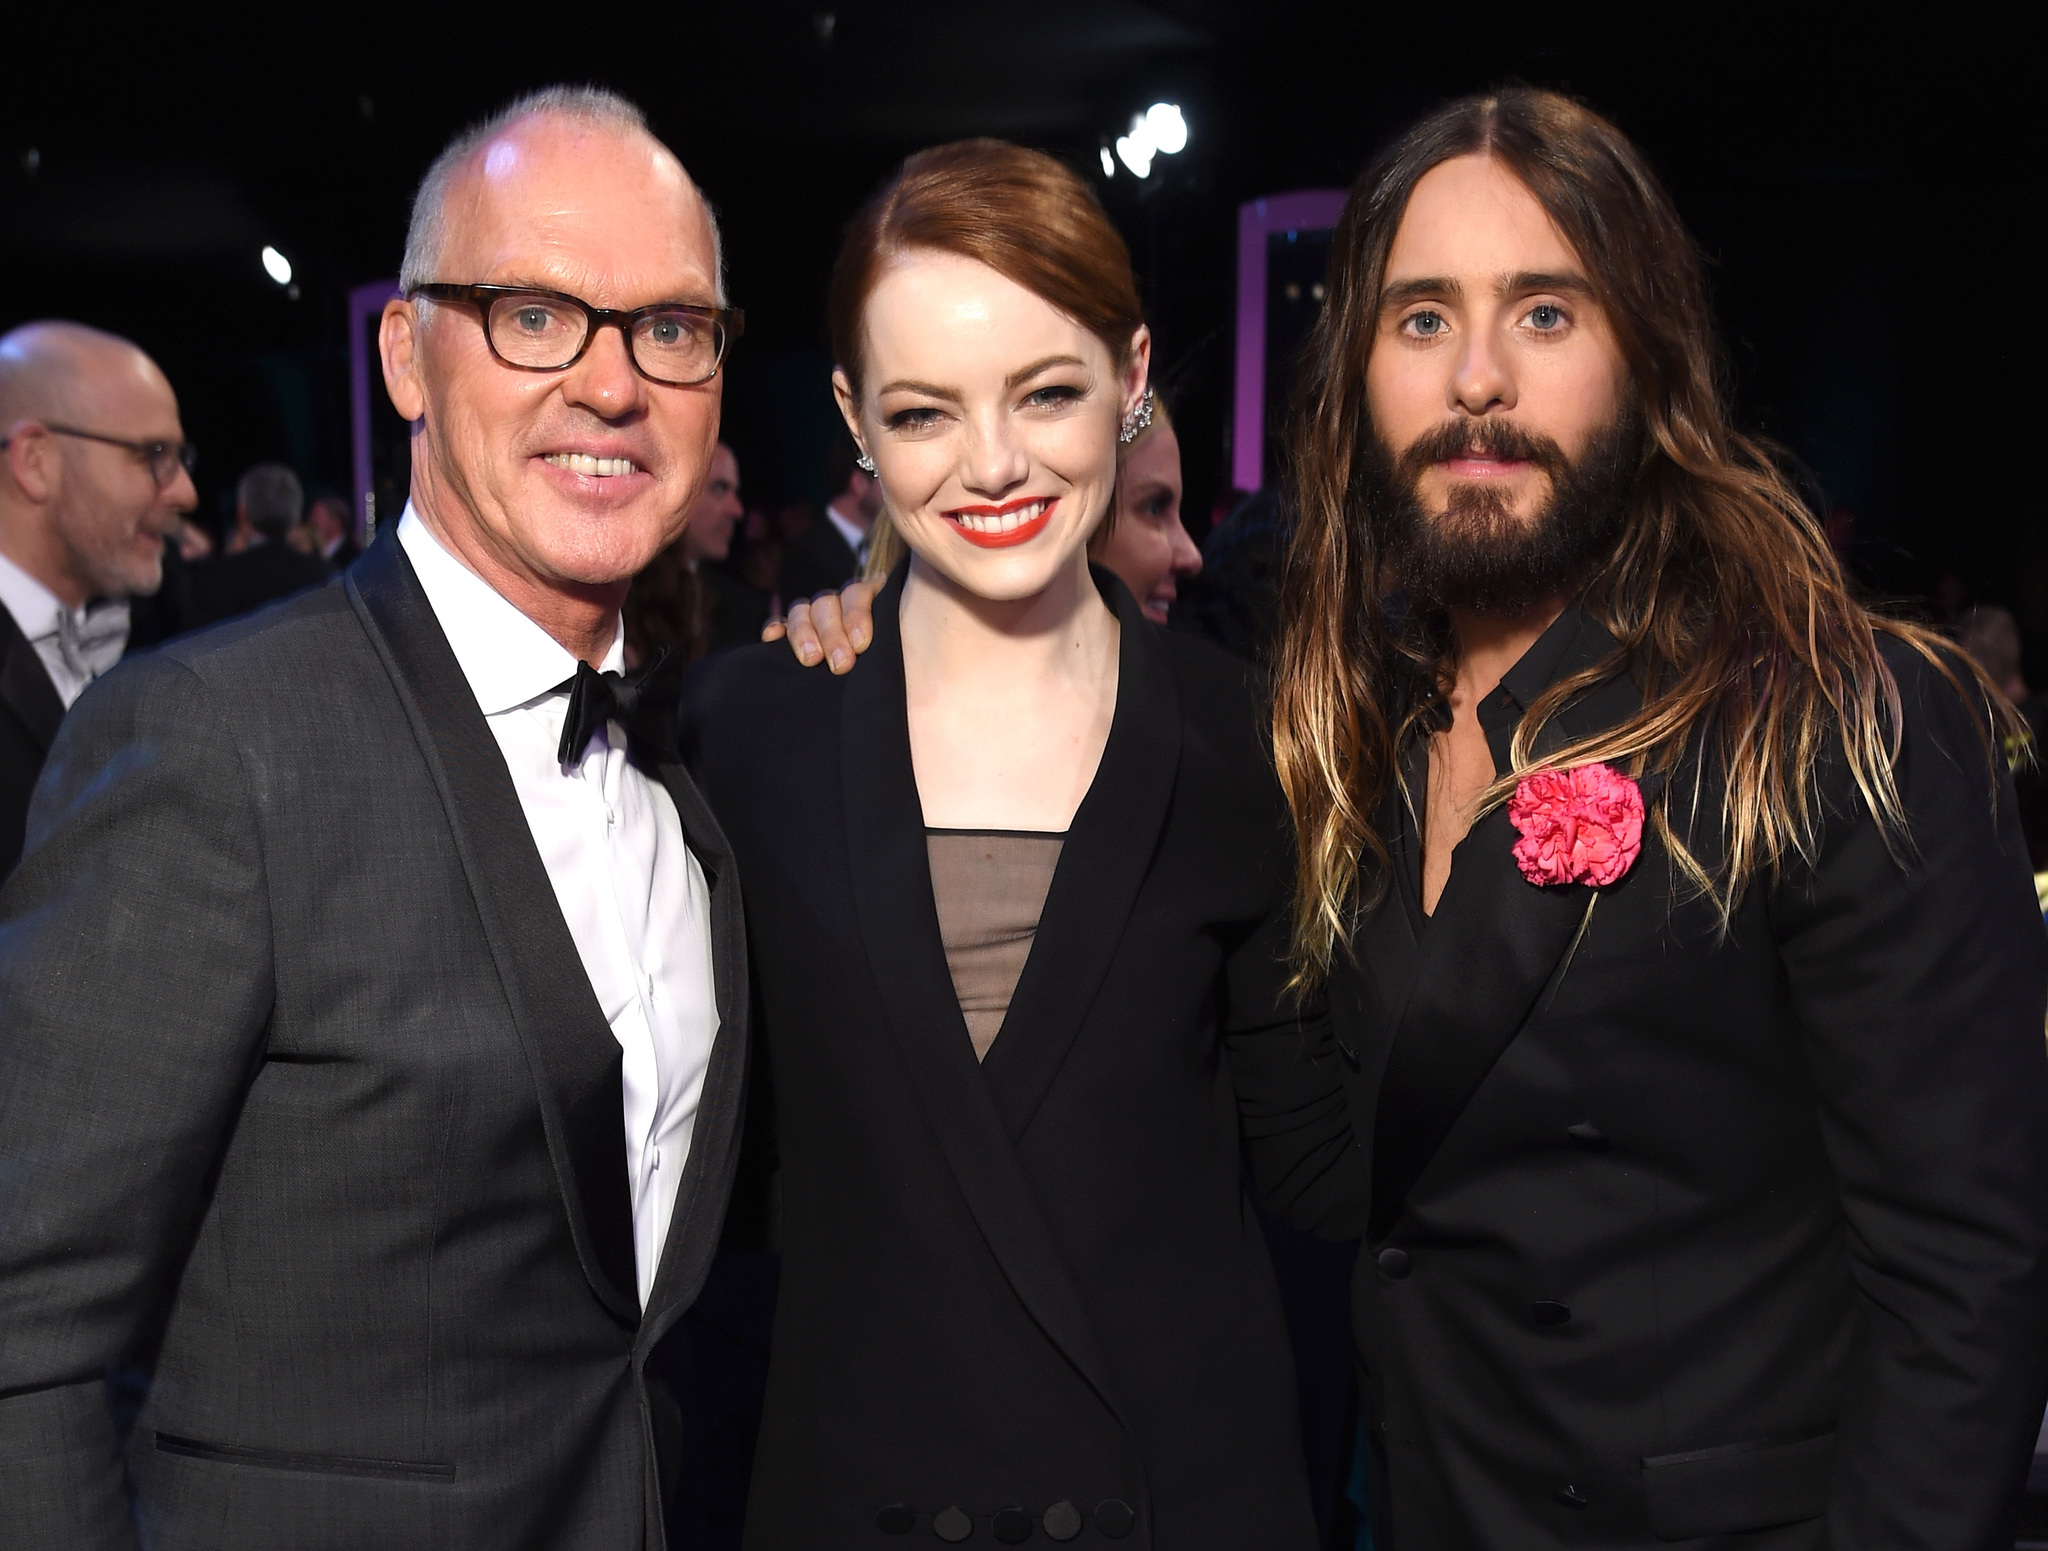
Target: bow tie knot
(641, 702)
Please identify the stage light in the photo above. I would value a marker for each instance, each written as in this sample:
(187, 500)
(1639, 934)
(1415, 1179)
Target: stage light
(1108, 163)
(1136, 150)
(277, 266)
(1169, 130)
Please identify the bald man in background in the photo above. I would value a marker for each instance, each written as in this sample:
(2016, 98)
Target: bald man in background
(373, 988)
(94, 472)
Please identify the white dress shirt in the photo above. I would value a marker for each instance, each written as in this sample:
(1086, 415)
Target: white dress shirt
(76, 645)
(633, 895)
(855, 535)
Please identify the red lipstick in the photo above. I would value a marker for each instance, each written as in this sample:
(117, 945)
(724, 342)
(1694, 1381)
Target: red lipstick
(1023, 533)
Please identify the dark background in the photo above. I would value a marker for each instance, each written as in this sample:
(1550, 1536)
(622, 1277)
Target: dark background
(1859, 179)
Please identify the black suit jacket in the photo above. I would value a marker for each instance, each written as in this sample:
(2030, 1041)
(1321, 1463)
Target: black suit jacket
(814, 562)
(299, 1069)
(1677, 1233)
(30, 709)
(1033, 1281)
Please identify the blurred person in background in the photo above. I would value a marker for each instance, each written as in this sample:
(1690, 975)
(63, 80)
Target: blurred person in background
(686, 600)
(258, 564)
(1148, 545)
(96, 475)
(331, 526)
(828, 554)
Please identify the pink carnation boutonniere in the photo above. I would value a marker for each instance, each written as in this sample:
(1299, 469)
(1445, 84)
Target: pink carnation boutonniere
(1583, 825)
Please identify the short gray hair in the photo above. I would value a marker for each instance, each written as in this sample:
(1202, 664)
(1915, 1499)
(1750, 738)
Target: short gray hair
(273, 499)
(593, 106)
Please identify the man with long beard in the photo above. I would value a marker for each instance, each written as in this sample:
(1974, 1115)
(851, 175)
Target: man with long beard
(1686, 985)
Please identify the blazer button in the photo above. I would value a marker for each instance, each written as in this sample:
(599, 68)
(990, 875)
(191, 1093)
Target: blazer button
(1114, 1517)
(1588, 1136)
(951, 1525)
(1545, 1312)
(1394, 1263)
(1062, 1521)
(896, 1519)
(1571, 1497)
(1013, 1526)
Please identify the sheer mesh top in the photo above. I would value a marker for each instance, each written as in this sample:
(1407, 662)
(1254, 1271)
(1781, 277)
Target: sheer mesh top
(990, 886)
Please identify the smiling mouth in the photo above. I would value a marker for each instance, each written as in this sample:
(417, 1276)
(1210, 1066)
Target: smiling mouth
(595, 468)
(998, 527)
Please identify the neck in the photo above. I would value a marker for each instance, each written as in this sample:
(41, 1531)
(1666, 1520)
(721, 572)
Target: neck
(1001, 648)
(581, 617)
(29, 539)
(1490, 644)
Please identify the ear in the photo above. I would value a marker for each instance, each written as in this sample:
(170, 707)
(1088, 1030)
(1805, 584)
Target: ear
(33, 461)
(398, 343)
(1137, 371)
(849, 409)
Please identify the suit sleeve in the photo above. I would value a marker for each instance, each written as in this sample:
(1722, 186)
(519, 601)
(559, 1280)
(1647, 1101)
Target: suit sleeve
(1921, 981)
(135, 987)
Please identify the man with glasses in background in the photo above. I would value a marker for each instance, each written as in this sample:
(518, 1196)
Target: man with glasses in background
(94, 473)
(373, 986)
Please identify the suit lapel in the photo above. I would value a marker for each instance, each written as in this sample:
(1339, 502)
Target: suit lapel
(574, 1059)
(714, 1143)
(899, 926)
(25, 684)
(1102, 866)
(1482, 962)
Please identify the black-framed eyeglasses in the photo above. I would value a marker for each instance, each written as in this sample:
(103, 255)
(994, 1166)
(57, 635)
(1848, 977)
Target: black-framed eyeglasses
(674, 343)
(164, 458)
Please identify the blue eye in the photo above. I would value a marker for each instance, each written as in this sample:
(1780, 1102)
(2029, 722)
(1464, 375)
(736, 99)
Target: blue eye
(1545, 316)
(1428, 324)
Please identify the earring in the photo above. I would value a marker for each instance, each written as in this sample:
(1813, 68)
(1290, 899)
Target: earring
(1136, 420)
(864, 463)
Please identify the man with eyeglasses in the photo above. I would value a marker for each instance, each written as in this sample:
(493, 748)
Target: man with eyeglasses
(373, 989)
(94, 472)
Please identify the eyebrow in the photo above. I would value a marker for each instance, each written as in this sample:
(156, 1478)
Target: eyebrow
(1022, 374)
(1401, 292)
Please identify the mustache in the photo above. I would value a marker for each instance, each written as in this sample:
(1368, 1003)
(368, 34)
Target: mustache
(1491, 437)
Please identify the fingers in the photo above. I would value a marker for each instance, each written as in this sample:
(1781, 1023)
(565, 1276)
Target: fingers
(797, 629)
(857, 609)
(829, 621)
(772, 631)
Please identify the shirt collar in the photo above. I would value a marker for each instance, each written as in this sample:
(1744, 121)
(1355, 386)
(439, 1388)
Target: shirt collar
(856, 539)
(35, 608)
(507, 658)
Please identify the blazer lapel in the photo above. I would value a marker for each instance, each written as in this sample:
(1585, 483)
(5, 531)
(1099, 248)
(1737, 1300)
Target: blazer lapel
(1484, 960)
(899, 926)
(25, 685)
(1101, 868)
(569, 1048)
(714, 1144)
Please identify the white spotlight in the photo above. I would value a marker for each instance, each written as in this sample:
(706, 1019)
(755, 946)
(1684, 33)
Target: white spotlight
(1108, 163)
(1169, 129)
(277, 266)
(1137, 149)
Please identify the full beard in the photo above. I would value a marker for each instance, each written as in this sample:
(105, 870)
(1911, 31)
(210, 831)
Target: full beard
(1475, 553)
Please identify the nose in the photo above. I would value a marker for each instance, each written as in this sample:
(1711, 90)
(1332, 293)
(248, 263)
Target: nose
(604, 381)
(1186, 558)
(179, 495)
(1482, 378)
(996, 462)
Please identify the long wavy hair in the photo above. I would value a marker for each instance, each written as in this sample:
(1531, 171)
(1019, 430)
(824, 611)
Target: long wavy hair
(1730, 609)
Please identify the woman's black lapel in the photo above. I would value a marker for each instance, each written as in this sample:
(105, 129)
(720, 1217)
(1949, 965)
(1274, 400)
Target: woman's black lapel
(1102, 866)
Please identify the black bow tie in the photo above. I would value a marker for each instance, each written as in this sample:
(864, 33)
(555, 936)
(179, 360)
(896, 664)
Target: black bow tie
(642, 702)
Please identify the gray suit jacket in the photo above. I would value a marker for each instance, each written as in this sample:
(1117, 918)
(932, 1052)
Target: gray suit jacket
(300, 1073)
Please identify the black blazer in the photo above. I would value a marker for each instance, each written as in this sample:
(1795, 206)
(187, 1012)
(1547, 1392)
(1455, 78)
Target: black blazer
(30, 709)
(1026, 1292)
(302, 1071)
(1676, 1234)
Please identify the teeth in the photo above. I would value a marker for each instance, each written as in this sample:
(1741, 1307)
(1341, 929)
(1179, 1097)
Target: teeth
(583, 463)
(1007, 522)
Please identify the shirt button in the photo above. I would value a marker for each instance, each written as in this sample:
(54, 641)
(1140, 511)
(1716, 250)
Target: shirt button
(657, 1159)
(1394, 1263)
